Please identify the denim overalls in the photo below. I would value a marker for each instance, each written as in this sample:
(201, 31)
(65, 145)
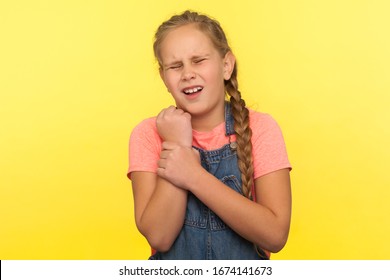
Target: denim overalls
(204, 235)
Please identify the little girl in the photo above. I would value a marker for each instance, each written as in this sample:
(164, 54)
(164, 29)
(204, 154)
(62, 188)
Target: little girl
(210, 178)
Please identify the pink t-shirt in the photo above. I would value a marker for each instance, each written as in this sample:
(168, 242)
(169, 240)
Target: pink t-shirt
(269, 150)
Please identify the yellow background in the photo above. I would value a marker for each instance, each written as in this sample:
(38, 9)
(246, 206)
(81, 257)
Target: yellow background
(77, 76)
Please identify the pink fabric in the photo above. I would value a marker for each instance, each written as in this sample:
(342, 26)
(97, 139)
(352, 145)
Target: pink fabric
(269, 150)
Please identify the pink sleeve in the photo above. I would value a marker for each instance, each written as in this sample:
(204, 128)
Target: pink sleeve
(144, 147)
(269, 149)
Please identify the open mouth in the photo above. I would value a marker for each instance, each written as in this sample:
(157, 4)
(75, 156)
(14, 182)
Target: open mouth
(193, 90)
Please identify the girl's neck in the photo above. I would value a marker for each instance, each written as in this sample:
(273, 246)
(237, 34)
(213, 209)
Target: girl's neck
(205, 126)
(204, 123)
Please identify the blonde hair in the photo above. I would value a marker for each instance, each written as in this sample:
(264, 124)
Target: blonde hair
(240, 113)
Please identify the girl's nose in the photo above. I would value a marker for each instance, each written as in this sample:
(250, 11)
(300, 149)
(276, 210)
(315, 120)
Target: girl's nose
(188, 73)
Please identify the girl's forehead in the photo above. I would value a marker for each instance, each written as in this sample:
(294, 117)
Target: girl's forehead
(186, 40)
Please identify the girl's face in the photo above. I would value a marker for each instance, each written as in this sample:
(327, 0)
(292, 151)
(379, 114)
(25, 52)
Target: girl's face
(194, 71)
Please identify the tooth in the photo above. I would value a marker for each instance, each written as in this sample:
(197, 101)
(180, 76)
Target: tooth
(192, 90)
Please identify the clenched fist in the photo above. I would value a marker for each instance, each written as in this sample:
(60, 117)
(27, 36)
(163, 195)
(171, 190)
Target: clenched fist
(174, 125)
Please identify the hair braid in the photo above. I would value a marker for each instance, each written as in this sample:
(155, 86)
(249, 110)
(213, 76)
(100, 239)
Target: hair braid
(243, 134)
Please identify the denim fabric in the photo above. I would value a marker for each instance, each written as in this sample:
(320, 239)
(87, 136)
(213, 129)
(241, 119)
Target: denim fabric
(204, 235)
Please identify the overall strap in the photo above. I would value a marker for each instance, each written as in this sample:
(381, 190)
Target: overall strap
(229, 121)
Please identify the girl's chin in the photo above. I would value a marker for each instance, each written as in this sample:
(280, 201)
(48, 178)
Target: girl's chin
(195, 110)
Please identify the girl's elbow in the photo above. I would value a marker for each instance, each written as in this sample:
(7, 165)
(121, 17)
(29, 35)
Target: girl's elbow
(156, 239)
(277, 243)
(276, 247)
(273, 240)
(160, 243)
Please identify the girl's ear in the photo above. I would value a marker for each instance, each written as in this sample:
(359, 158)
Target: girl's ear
(161, 71)
(228, 65)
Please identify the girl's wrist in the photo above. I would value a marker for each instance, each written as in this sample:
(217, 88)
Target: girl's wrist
(180, 142)
(194, 181)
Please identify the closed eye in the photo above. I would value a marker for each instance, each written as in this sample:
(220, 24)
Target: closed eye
(197, 61)
(175, 66)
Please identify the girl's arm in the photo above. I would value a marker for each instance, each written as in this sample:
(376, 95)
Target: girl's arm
(159, 205)
(265, 222)
(159, 209)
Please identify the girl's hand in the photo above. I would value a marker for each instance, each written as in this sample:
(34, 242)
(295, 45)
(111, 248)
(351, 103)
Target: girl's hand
(174, 125)
(179, 165)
